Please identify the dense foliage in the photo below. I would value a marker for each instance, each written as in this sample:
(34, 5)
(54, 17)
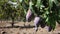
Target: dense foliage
(49, 10)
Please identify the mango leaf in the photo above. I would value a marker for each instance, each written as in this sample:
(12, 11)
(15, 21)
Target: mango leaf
(47, 19)
(30, 4)
(20, 1)
(51, 22)
(55, 1)
(50, 4)
(25, 12)
(38, 3)
(58, 17)
(47, 12)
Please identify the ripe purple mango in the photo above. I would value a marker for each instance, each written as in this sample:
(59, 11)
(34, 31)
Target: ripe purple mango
(28, 15)
(36, 21)
(50, 28)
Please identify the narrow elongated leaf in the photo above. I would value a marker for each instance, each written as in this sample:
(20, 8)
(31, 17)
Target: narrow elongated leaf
(50, 4)
(38, 3)
(30, 4)
(56, 2)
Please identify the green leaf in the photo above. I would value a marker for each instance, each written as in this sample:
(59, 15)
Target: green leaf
(30, 4)
(51, 22)
(56, 2)
(20, 1)
(47, 19)
(25, 12)
(47, 12)
(50, 4)
(38, 3)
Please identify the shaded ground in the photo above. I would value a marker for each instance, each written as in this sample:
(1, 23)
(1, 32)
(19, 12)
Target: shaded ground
(19, 28)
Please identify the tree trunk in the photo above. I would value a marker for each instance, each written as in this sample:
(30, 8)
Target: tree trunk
(12, 22)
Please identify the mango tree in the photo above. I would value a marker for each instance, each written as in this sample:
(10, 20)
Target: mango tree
(47, 9)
